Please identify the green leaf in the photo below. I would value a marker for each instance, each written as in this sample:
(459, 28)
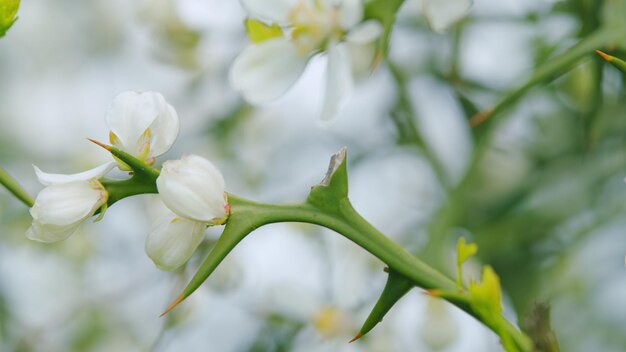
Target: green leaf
(333, 189)
(259, 32)
(397, 286)
(486, 301)
(463, 252)
(8, 12)
(486, 294)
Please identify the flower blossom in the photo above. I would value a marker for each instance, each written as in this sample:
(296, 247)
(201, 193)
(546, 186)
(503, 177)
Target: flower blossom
(297, 31)
(66, 202)
(142, 124)
(194, 190)
(441, 14)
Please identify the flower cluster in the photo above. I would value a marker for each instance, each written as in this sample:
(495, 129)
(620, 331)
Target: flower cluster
(145, 126)
(287, 34)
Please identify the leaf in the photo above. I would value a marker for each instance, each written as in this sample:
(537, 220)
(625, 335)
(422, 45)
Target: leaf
(397, 286)
(486, 295)
(8, 12)
(464, 251)
(259, 32)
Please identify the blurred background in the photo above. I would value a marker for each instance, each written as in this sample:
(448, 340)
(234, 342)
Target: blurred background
(545, 201)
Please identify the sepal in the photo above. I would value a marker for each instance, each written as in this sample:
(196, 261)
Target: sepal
(137, 166)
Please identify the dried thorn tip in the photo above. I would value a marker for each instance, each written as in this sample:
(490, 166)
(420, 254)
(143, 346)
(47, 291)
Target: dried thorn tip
(605, 56)
(107, 147)
(173, 305)
(358, 336)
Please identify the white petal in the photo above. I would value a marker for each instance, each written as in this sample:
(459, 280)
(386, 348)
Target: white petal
(193, 188)
(265, 71)
(365, 33)
(272, 10)
(351, 13)
(48, 179)
(50, 233)
(339, 81)
(362, 58)
(66, 203)
(172, 243)
(59, 209)
(131, 113)
(441, 14)
(164, 131)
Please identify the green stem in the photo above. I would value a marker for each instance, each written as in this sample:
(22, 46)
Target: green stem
(14, 187)
(549, 70)
(405, 117)
(120, 189)
(247, 216)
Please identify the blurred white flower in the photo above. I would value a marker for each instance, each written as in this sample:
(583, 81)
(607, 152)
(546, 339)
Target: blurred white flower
(301, 29)
(66, 202)
(442, 14)
(439, 329)
(173, 241)
(142, 124)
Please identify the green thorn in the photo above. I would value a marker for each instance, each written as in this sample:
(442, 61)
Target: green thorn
(138, 166)
(397, 286)
(619, 63)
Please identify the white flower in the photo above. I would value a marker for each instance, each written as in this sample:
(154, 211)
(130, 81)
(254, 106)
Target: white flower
(142, 124)
(442, 14)
(173, 241)
(194, 189)
(66, 202)
(266, 70)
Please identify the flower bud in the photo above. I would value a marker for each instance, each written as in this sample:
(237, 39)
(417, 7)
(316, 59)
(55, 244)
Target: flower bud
(60, 209)
(142, 124)
(193, 188)
(173, 242)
